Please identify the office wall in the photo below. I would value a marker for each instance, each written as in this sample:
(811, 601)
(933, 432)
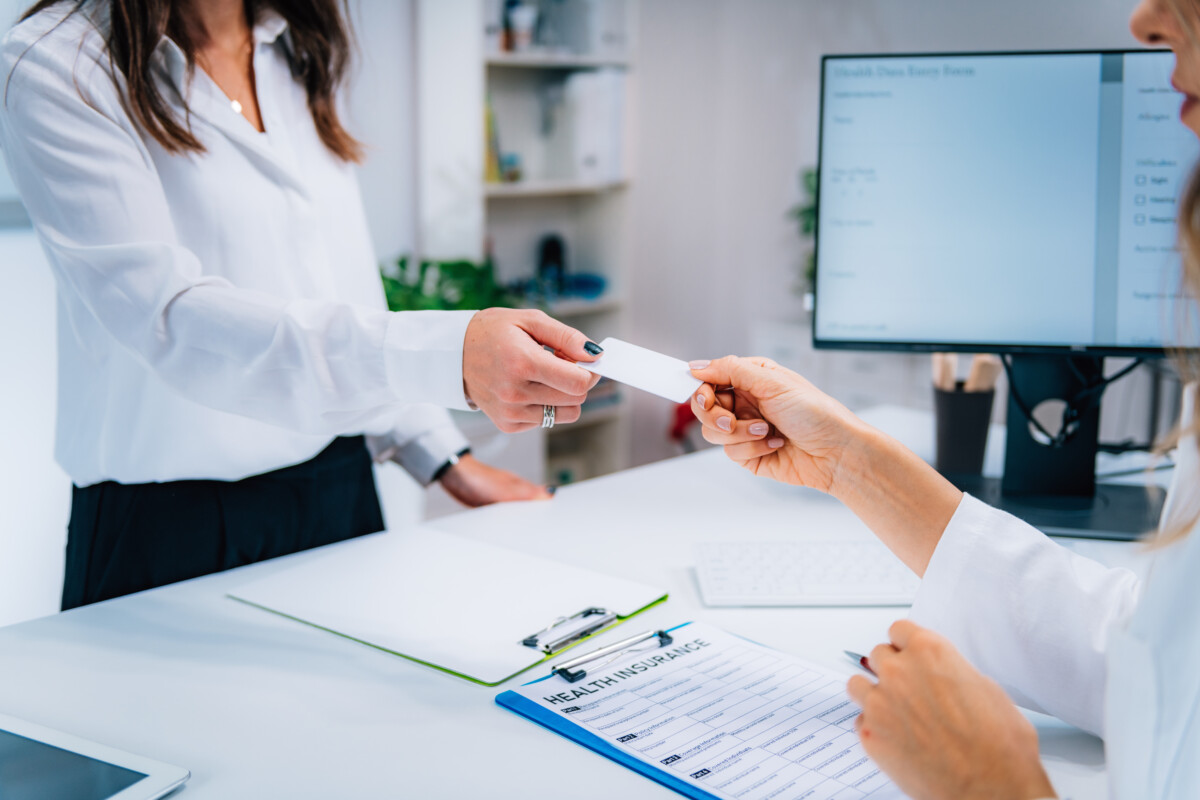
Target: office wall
(380, 108)
(380, 112)
(725, 121)
(34, 491)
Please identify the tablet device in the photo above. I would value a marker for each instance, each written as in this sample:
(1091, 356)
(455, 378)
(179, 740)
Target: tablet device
(38, 763)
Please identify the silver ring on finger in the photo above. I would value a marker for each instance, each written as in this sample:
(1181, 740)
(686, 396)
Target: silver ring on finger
(547, 416)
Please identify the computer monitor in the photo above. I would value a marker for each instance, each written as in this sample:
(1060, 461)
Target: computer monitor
(1020, 203)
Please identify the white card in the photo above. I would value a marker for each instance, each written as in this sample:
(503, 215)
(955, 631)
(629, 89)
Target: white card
(644, 369)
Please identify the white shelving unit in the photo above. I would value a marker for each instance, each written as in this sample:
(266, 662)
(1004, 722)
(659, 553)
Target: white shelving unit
(550, 188)
(461, 214)
(553, 61)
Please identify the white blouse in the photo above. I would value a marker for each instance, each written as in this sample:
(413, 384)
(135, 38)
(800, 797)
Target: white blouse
(219, 314)
(1088, 644)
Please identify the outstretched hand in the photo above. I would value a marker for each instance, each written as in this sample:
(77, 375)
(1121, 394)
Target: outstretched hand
(510, 375)
(775, 423)
(772, 421)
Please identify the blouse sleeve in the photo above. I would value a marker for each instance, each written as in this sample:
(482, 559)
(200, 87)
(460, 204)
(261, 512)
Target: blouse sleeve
(421, 439)
(1026, 611)
(91, 188)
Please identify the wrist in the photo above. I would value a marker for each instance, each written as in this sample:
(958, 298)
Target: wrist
(903, 500)
(855, 459)
(449, 464)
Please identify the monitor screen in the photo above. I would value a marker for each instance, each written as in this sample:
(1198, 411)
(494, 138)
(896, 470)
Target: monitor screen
(1006, 202)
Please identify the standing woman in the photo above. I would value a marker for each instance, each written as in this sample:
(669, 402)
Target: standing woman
(1050, 629)
(223, 338)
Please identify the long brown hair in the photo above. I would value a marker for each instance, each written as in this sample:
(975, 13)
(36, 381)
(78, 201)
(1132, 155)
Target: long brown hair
(320, 58)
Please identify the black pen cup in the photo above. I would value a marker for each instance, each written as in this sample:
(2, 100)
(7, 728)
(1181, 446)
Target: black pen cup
(962, 420)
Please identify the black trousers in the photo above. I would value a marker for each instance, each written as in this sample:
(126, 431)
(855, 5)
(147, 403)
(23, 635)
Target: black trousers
(123, 538)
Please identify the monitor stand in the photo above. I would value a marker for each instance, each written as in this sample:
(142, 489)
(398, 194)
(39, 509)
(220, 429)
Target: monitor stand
(1054, 488)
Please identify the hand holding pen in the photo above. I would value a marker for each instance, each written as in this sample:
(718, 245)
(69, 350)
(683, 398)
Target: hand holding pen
(859, 660)
(921, 721)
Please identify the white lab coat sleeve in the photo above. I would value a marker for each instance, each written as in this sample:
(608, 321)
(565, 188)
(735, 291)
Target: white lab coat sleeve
(1026, 611)
(421, 440)
(91, 188)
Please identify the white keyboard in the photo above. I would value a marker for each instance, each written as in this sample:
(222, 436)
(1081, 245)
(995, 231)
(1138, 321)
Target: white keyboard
(803, 573)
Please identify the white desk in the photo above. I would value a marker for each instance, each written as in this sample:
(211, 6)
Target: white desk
(257, 706)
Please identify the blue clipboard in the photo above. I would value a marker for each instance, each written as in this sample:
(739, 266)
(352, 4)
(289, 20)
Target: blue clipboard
(563, 727)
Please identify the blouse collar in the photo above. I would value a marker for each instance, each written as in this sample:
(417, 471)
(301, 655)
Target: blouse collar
(267, 30)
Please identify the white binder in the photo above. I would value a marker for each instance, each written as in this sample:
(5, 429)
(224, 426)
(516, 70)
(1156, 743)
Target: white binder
(472, 609)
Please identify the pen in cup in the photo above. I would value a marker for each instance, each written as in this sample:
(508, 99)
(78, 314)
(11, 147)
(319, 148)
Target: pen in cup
(985, 369)
(945, 371)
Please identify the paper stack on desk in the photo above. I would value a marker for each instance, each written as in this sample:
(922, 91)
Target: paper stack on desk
(457, 604)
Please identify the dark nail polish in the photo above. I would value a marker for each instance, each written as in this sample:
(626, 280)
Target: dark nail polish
(551, 489)
(593, 348)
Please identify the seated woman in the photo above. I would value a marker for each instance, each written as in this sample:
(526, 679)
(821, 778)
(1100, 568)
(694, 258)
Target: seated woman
(1060, 633)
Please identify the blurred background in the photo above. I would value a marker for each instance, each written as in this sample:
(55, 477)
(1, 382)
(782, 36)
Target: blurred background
(635, 168)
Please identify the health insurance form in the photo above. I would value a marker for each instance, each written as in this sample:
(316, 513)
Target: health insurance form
(731, 717)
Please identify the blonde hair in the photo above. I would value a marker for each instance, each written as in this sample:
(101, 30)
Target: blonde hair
(1187, 363)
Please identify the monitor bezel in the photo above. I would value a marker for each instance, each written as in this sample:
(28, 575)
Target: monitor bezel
(953, 347)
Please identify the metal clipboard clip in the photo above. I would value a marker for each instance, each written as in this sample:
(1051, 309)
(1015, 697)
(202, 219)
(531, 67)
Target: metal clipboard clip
(571, 672)
(568, 630)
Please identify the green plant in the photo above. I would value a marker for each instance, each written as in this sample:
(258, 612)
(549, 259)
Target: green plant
(443, 286)
(805, 214)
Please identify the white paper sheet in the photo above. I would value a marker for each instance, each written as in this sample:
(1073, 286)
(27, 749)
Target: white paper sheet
(458, 604)
(644, 369)
(734, 718)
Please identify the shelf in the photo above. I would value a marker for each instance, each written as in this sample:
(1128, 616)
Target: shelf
(578, 308)
(549, 188)
(577, 188)
(554, 61)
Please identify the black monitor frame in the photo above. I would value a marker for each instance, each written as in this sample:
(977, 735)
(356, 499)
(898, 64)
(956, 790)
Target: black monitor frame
(1053, 488)
(952, 347)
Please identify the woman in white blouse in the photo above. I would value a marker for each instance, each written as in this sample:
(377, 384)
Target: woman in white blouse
(1060, 633)
(223, 338)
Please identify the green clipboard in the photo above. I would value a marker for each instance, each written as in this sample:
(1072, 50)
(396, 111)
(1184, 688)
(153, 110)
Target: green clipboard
(471, 609)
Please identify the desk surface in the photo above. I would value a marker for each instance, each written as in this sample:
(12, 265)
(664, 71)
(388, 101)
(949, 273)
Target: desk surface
(258, 706)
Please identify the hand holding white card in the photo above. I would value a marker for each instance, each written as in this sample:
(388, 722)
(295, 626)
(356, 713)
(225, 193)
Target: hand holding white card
(644, 369)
